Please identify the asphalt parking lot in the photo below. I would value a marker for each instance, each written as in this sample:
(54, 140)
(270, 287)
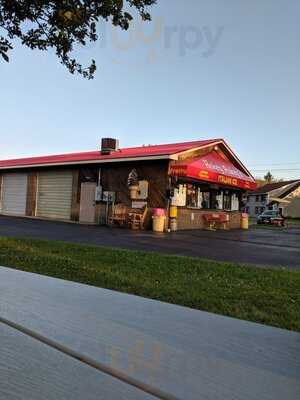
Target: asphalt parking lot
(261, 247)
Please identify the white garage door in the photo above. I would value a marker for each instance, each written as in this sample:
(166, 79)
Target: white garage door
(54, 198)
(14, 194)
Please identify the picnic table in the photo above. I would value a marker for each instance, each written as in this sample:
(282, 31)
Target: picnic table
(63, 340)
(278, 221)
(215, 220)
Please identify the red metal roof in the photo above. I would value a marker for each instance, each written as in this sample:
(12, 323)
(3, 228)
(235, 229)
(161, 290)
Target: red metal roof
(96, 156)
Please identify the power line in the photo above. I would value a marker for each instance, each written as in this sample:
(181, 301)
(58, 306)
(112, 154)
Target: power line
(276, 170)
(284, 163)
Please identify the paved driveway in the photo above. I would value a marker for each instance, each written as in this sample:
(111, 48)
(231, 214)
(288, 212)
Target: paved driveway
(262, 247)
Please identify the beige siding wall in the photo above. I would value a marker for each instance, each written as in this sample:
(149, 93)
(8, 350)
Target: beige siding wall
(292, 209)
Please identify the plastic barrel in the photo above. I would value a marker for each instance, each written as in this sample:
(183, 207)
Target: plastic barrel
(244, 221)
(173, 212)
(158, 212)
(173, 224)
(158, 223)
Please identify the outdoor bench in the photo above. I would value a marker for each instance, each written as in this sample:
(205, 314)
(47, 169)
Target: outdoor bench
(64, 340)
(215, 220)
(277, 221)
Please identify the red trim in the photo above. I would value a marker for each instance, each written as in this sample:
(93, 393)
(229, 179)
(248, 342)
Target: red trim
(214, 168)
(96, 156)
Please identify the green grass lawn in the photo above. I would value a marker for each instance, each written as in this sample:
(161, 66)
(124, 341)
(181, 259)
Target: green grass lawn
(268, 226)
(293, 221)
(269, 296)
(288, 224)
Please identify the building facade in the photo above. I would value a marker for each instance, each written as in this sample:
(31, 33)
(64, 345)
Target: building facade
(197, 177)
(284, 196)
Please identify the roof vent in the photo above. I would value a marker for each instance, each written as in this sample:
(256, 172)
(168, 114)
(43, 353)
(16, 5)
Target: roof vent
(108, 145)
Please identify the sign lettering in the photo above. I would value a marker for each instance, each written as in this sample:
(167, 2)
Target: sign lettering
(227, 180)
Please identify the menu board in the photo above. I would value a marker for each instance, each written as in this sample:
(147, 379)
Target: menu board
(179, 198)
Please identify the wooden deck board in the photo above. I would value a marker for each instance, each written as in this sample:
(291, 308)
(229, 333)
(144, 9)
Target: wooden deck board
(30, 370)
(186, 353)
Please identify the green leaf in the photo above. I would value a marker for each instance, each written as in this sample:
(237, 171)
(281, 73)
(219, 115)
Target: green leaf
(5, 56)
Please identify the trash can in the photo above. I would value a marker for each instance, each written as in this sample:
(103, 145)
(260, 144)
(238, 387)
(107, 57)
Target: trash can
(245, 221)
(158, 223)
(159, 212)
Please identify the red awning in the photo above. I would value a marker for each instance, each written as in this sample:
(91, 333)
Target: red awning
(216, 169)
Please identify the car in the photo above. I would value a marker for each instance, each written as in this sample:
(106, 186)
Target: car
(267, 216)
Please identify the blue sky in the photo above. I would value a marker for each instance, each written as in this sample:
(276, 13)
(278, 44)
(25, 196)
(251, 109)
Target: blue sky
(200, 69)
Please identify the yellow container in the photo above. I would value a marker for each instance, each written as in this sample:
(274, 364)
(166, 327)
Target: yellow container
(245, 221)
(173, 224)
(173, 212)
(158, 224)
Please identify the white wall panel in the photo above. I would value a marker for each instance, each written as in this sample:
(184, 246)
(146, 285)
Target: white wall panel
(14, 194)
(54, 199)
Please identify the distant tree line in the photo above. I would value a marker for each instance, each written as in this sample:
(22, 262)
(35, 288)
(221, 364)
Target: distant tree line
(268, 178)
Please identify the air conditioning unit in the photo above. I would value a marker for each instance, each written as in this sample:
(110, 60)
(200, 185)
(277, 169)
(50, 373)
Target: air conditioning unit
(108, 145)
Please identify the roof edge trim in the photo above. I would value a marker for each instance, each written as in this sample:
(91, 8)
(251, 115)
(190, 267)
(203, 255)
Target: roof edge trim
(113, 160)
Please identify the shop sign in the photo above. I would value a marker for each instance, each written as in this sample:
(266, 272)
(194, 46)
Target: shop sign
(203, 174)
(178, 170)
(222, 169)
(138, 204)
(179, 198)
(213, 168)
(227, 180)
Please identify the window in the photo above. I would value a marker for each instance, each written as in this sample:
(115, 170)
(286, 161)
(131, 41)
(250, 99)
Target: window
(219, 201)
(256, 210)
(195, 198)
(270, 213)
(257, 198)
(192, 196)
(227, 201)
(235, 202)
(179, 197)
(205, 203)
(262, 209)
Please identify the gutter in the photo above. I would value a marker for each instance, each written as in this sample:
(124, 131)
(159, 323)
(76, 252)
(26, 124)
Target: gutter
(95, 162)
